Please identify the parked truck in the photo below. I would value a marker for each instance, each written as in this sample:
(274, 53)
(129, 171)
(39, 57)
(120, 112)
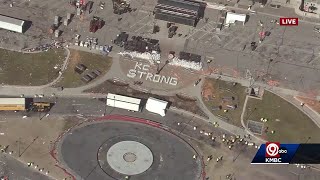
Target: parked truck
(12, 104)
(124, 102)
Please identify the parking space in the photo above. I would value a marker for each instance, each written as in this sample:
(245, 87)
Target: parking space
(294, 52)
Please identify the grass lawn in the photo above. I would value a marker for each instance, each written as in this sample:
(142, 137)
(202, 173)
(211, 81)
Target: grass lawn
(289, 123)
(31, 69)
(93, 62)
(214, 93)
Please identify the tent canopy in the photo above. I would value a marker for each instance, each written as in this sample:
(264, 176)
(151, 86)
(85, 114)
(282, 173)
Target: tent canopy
(156, 106)
(233, 17)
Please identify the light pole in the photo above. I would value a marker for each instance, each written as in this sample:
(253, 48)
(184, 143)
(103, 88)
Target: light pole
(186, 125)
(308, 140)
(270, 61)
(159, 70)
(19, 147)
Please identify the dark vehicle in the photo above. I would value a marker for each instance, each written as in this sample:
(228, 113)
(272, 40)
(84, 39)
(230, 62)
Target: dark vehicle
(197, 82)
(173, 28)
(170, 35)
(156, 29)
(60, 88)
(275, 6)
(121, 39)
(89, 6)
(253, 46)
(108, 48)
(4, 178)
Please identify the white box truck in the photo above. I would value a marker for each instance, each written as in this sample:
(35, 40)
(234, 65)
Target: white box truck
(123, 102)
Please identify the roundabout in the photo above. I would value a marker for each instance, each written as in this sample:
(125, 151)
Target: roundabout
(113, 149)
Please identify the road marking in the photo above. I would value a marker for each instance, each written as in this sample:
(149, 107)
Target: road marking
(139, 21)
(146, 24)
(203, 36)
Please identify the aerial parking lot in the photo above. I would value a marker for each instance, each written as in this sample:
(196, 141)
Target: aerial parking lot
(288, 57)
(293, 50)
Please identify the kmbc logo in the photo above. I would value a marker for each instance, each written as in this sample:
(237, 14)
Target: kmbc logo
(273, 152)
(272, 149)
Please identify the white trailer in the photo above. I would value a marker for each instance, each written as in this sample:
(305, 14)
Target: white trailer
(233, 17)
(124, 102)
(11, 24)
(157, 106)
(12, 104)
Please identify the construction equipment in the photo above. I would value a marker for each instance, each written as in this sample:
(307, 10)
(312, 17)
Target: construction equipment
(172, 31)
(120, 7)
(40, 106)
(95, 24)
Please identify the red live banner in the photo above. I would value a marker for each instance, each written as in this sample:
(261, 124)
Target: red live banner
(289, 21)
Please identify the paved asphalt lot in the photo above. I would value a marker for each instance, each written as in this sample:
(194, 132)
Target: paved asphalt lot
(15, 170)
(84, 106)
(172, 157)
(294, 50)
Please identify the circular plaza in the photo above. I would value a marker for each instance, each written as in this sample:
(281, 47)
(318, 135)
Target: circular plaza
(116, 149)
